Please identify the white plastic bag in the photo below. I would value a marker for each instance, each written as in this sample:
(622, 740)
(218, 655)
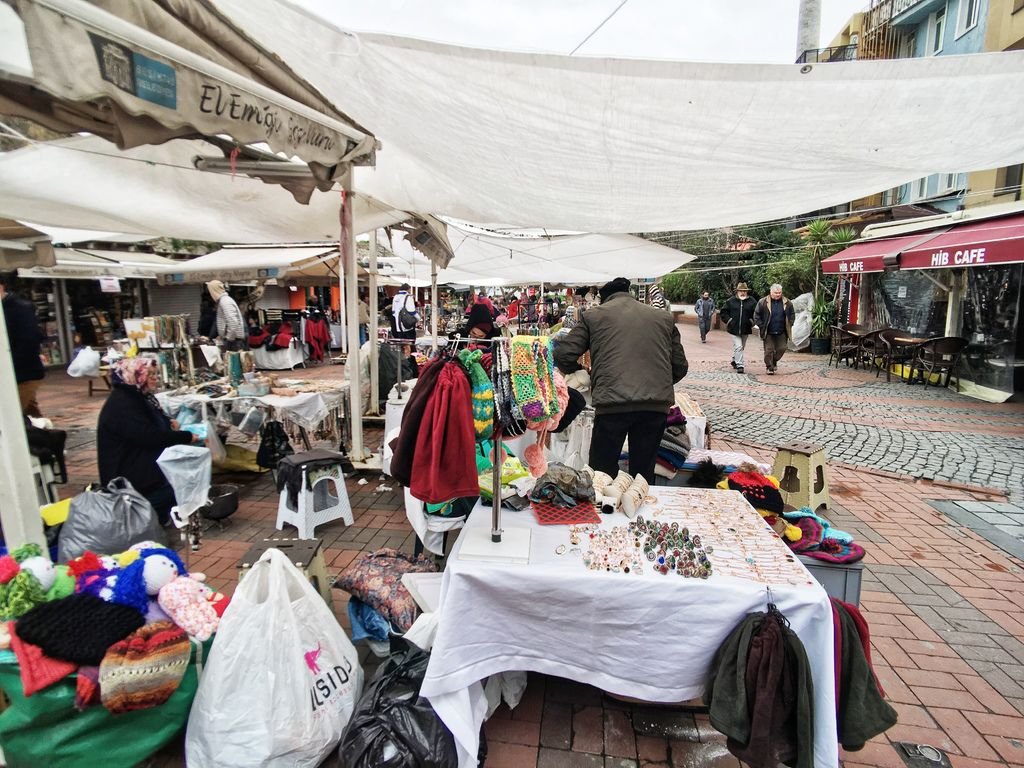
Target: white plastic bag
(86, 363)
(187, 468)
(218, 453)
(282, 678)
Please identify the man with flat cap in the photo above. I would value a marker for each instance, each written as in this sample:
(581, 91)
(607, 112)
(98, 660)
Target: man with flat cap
(636, 359)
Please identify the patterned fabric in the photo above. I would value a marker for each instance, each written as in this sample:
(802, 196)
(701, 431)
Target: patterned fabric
(376, 579)
(533, 377)
(482, 393)
(656, 298)
(139, 372)
(145, 668)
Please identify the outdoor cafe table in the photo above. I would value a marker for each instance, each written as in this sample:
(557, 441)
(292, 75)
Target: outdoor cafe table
(648, 636)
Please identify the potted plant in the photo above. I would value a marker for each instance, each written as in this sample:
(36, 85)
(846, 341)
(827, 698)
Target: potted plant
(823, 317)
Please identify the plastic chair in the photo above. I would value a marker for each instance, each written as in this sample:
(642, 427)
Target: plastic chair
(316, 505)
(844, 346)
(939, 355)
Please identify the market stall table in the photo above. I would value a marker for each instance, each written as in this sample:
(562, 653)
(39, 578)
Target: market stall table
(648, 635)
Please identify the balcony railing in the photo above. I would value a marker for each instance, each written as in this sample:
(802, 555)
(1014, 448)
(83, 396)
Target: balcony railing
(822, 55)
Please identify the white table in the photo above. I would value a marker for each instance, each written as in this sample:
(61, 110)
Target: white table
(305, 409)
(647, 636)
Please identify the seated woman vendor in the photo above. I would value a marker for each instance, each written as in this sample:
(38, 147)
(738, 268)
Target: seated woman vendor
(479, 324)
(133, 431)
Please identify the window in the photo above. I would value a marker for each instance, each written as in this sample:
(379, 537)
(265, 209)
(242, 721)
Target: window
(888, 197)
(908, 45)
(1008, 180)
(921, 188)
(948, 182)
(936, 30)
(967, 19)
(854, 38)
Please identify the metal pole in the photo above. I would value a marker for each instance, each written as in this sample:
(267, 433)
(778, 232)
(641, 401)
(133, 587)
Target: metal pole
(496, 480)
(374, 404)
(350, 305)
(19, 505)
(433, 302)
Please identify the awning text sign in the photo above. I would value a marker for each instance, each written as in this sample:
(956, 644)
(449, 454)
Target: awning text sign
(975, 244)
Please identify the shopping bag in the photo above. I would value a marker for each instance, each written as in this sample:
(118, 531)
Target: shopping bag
(45, 729)
(108, 521)
(282, 680)
(86, 363)
(187, 469)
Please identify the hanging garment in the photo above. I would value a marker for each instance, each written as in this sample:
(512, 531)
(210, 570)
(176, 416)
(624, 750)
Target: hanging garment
(861, 712)
(443, 465)
(318, 337)
(760, 693)
(404, 446)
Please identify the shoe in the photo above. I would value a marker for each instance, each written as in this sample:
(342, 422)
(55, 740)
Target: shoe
(732, 363)
(739, 369)
(771, 371)
(703, 341)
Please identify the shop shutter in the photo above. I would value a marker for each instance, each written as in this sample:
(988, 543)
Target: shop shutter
(275, 297)
(175, 300)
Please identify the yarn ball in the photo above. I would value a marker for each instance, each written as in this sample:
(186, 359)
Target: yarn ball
(79, 628)
(63, 583)
(535, 459)
(42, 569)
(186, 601)
(145, 668)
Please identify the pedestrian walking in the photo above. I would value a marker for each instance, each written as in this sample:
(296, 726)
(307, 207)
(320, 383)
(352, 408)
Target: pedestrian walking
(404, 314)
(774, 317)
(705, 311)
(231, 328)
(738, 314)
(25, 337)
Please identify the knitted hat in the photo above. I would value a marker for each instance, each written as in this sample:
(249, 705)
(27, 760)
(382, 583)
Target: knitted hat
(812, 532)
(482, 391)
(757, 490)
(618, 285)
(38, 670)
(832, 551)
(145, 668)
(80, 628)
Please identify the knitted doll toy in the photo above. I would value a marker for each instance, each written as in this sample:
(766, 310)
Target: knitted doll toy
(144, 578)
(187, 602)
(25, 578)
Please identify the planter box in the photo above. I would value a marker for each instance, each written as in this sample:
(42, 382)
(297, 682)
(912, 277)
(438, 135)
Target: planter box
(821, 346)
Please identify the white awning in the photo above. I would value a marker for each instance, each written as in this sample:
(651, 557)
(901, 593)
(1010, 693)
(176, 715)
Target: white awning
(90, 264)
(616, 145)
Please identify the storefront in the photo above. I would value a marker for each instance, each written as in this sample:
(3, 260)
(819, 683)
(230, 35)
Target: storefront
(954, 275)
(84, 298)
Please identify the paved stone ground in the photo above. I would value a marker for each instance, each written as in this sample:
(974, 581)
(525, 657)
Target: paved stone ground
(945, 606)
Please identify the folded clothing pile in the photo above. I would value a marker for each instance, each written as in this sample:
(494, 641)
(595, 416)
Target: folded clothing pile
(820, 540)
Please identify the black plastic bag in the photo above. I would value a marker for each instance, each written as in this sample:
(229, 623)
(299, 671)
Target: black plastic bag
(274, 445)
(393, 726)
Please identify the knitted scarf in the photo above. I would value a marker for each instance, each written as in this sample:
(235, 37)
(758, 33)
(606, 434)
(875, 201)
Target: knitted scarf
(482, 393)
(533, 377)
(503, 399)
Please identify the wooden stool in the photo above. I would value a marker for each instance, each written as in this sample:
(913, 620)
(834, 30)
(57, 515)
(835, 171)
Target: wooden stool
(800, 468)
(104, 377)
(305, 554)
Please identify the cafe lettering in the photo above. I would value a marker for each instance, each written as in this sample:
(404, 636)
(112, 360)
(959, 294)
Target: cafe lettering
(959, 258)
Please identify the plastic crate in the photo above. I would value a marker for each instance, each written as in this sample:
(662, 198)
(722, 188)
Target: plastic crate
(840, 580)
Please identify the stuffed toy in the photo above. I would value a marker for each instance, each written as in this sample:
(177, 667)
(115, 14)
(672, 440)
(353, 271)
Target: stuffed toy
(25, 577)
(63, 583)
(187, 602)
(143, 578)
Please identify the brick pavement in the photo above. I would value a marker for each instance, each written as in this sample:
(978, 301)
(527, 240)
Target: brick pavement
(945, 606)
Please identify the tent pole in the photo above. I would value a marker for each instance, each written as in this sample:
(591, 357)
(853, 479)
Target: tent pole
(374, 405)
(433, 301)
(19, 507)
(350, 304)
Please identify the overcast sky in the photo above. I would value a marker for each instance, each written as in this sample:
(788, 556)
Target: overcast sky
(692, 30)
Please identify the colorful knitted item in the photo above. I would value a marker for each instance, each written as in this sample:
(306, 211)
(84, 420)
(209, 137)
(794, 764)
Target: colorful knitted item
(145, 668)
(482, 393)
(757, 490)
(79, 628)
(38, 670)
(829, 532)
(532, 377)
(187, 602)
(20, 595)
(832, 551)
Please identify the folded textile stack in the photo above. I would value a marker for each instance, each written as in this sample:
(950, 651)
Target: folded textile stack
(820, 540)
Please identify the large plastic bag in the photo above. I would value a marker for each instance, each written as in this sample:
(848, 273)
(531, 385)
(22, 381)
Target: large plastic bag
(802, 323)
(187, 468)
(86, 363)
(395, 727)
(282, 679)
(45, 729)
(108, 521)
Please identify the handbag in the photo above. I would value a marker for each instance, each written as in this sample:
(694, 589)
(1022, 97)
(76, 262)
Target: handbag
(406, 318)
(107, 521)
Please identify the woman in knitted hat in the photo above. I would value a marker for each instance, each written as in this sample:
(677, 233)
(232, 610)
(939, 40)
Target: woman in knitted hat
(133, 431)
(479, 324)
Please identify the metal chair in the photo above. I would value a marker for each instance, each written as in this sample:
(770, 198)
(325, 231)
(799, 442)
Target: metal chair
(939, 355)
(844, 346)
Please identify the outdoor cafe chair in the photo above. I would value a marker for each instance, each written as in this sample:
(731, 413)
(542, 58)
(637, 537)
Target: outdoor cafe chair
(844, 346)
(894, 350)
(939, 355)
(872, 351)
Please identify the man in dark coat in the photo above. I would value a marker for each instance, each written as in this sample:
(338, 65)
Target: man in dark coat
(636, 359)
(25, 338)
(738, 316)
(774, 319)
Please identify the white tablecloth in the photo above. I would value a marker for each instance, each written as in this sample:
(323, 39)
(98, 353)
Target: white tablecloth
(647, 636)
(280, 359)
(306, 409)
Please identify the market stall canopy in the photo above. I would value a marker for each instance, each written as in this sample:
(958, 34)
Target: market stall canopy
(975, 237)
(92, 70)
(85, 182)
(585, 259)
(616, 145)
(89, 264)
(23, 246)
(309, 264)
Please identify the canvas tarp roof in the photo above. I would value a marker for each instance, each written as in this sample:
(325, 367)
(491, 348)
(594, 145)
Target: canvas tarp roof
(85, 182)
(606, 145)
(91, 263)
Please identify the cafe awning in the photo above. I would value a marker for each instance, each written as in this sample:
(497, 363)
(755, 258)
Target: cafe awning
(92, 263)
(870, 255)
(977, 244)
